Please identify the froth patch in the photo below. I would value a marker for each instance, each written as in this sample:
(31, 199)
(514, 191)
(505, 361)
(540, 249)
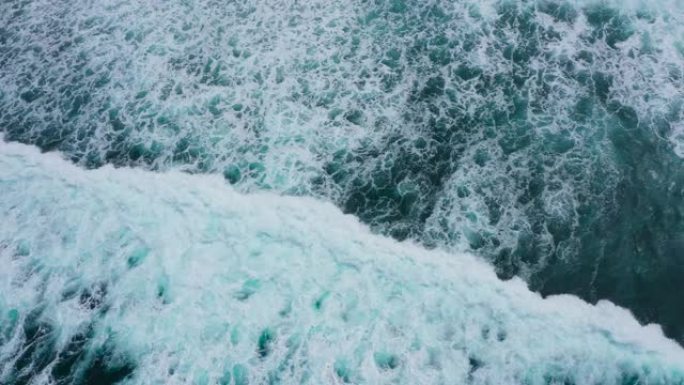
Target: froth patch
(677, 138)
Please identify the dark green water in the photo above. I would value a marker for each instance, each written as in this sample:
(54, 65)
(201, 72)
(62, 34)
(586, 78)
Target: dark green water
(544, 136)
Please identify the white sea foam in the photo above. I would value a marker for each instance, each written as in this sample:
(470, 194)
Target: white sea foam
(677, 138)
(207, 285)
(267, 91)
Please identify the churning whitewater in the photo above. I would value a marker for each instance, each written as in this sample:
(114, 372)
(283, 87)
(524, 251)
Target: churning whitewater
(546, 136)
(180, 232)
(127, 276)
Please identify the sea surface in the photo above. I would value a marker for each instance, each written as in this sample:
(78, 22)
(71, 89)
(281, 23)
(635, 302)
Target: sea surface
(354, 191)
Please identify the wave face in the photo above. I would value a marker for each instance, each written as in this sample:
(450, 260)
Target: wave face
(126, 276)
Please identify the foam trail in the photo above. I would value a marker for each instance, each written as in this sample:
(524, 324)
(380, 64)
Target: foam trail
(126, 275)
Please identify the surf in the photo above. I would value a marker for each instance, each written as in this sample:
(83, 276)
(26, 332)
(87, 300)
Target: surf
(121, 275)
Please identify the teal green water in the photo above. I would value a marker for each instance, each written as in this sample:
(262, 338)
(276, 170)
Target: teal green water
(544, 136)
(131, 277)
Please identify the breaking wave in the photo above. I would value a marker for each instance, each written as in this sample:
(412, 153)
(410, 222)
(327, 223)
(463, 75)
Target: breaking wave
(132, 277)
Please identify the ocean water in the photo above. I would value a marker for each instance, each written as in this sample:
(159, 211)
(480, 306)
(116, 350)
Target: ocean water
(133, 277)
(542, 138)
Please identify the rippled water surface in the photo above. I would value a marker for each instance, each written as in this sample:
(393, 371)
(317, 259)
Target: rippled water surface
(544, 137)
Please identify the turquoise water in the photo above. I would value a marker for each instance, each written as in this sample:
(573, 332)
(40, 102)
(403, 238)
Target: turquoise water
(544, 137)
(131, 277)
